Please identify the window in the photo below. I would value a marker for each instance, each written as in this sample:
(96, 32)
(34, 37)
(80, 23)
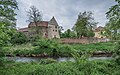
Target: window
(55, 26)
(56, 30)
(53, 30)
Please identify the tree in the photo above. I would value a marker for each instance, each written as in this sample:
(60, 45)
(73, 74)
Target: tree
(18, 38)
(7, 22)
(107, 31)
(117, 53)
(113, 15)
(7, 19)
(68, 34)
(60, 30)
(7, 13)
(85, 23)
(90, 33)
(35, 16)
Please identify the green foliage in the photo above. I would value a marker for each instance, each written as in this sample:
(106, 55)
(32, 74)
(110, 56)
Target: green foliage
(117, 53)
(113, 16)
(46, 46)
(65, 50)
(69, 68)
(7, 12)
(7, 23)
(68, 34)
(4, 37)
(23, 52)
(53, 48)
(18, 38)
(94, 47)
(111, 31)
(90, 33)
(96, 67)
(85, 23)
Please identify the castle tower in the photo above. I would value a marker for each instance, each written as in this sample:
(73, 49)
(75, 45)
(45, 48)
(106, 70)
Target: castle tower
(53, 29)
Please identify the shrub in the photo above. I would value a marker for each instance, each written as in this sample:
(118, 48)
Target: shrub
(117, 53)
(18, 38)
(47, 46)
(65, 50)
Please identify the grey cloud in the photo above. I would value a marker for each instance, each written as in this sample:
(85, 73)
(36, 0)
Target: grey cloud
(65, 11)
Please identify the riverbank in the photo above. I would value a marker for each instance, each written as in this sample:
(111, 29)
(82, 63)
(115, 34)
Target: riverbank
(81, 53)
(28, 50)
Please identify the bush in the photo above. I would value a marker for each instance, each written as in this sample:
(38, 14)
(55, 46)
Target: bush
(117, 53)
(47, 46)
(18, 38)
(65, 50)
(23, 52)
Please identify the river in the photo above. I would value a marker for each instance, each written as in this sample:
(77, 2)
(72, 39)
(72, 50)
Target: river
(60, 59)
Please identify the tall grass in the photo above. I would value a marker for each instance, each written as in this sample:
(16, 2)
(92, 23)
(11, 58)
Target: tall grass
(54, 48)
(98, 67)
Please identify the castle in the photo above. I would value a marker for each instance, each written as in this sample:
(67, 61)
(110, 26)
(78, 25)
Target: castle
(48, 29)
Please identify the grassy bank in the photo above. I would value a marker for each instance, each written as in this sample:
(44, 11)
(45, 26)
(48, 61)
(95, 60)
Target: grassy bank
(106, 46)
(51, 48)
(98, 67)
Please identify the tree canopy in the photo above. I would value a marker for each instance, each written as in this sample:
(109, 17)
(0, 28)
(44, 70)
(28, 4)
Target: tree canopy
(68, 34)
(113, 15)
(7, 22)
(7, 19)
(85, 23)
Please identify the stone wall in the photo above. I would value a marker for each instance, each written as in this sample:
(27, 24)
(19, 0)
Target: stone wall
(83, 40)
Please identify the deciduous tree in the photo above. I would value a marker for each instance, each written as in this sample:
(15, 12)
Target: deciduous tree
(85, 23)
(113, 16)
(7, 22)
(35, 16)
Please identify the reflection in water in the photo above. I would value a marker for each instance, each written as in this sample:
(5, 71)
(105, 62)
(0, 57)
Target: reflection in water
(61, 59)
(100, 58)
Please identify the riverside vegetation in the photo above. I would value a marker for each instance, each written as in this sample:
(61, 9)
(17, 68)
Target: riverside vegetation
(53, 48)
(52, 67)
(84, 67)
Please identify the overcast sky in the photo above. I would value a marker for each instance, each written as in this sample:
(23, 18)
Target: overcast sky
(64, 11)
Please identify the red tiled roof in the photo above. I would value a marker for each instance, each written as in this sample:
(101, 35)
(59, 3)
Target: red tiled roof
(42, 24)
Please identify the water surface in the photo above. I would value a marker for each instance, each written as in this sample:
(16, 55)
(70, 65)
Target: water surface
(60, 59)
